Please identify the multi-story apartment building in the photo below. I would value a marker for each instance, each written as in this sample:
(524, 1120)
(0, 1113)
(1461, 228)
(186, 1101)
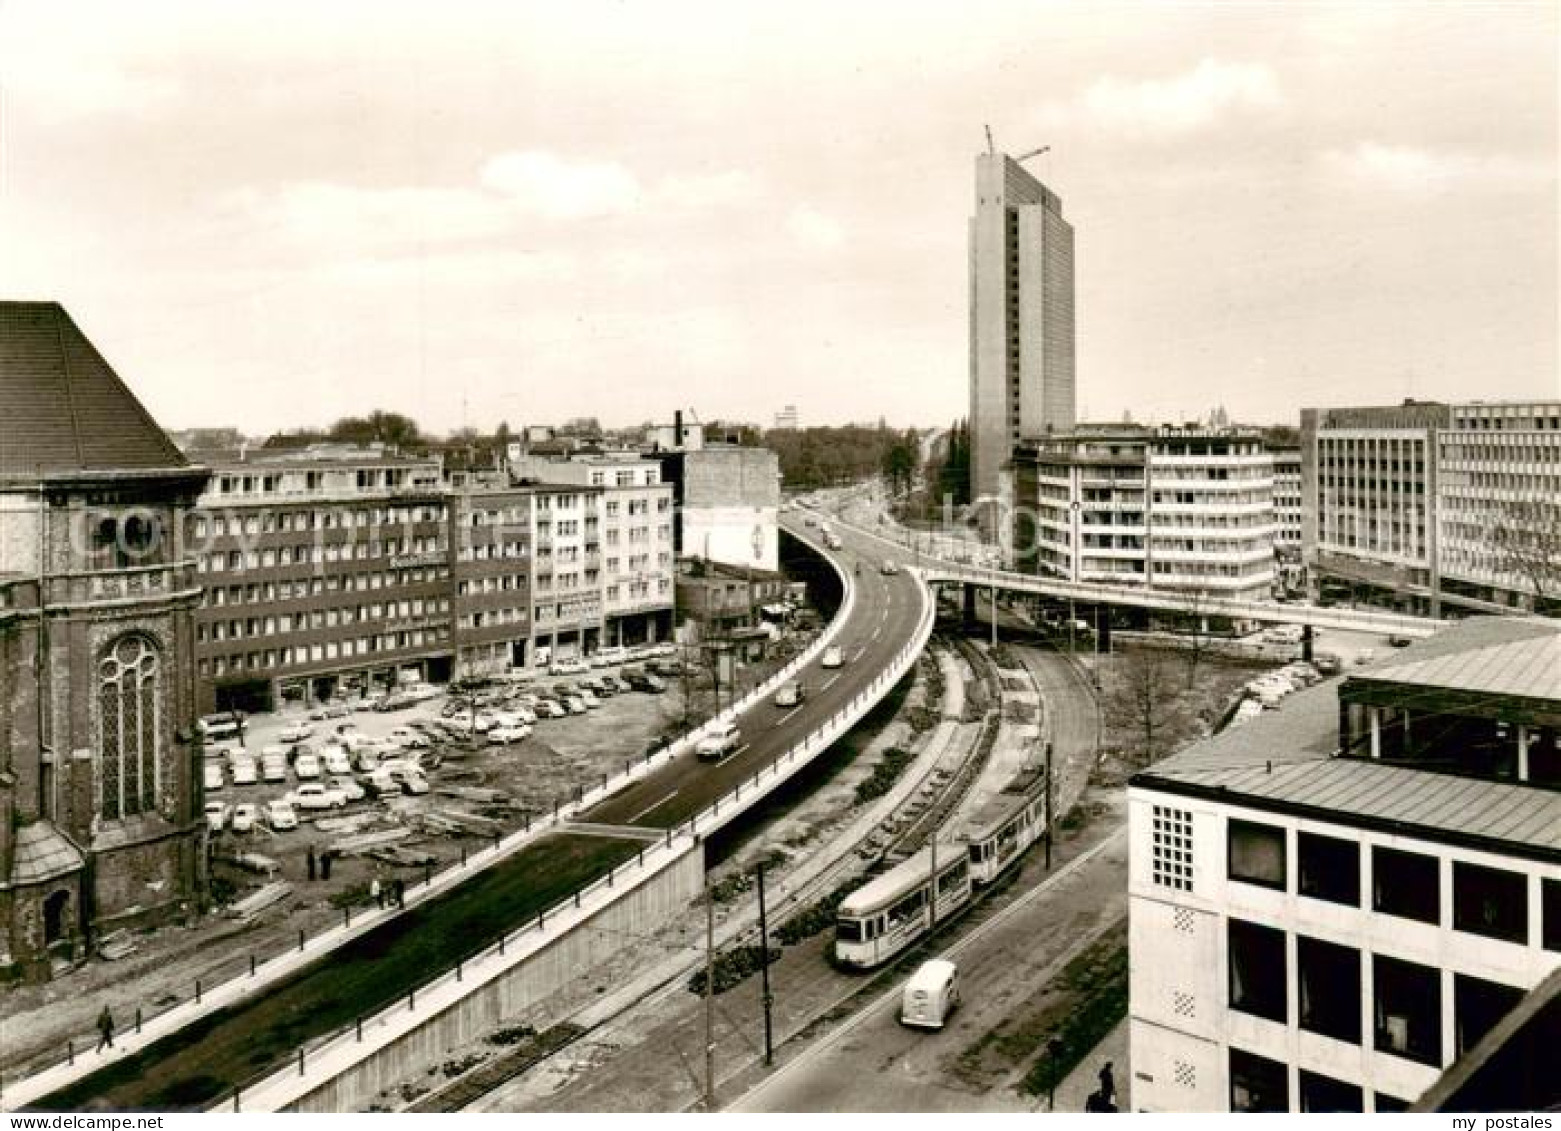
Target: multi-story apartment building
(1437, 508)
(632, 551)
(1333, 902)
(1189, 510)
(324, 571)
(101, 822)
(1021, 318)
(1287, 502)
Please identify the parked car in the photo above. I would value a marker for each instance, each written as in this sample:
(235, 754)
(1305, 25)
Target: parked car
(720, 744)
(568, 667)
(330, 711)
(334, 760)
(216, 815)
(273, 767)
(550, 709)
(833, 657)
(616, 684)
(307, 767)
(243, 771)
(347, 785)
(588, 697)
(213, 776)
(244, 817)
(1399, 640)
(317, 795)
(484, 722)
(503, 735)
(606, 657)
(575, 705)
(408, 736)
(1327, 663)
(644, 681)
(279, 815)
(296, 733)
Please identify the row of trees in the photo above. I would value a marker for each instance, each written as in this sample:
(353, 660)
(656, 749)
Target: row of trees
(833, 456)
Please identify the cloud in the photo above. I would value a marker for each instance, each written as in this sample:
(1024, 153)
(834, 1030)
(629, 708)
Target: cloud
(1187, 103)
(1411, 171)
(549, 186)
(706, 190)
(813, 229)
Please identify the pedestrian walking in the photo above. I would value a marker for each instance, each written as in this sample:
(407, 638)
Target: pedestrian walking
(375, 893)
(325, 864)
(105, 1030)
(1108, 1084)
(400, 889)
(310, 860)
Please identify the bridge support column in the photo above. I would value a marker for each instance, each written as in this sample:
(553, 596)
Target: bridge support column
(1103, 629)
(970, 606)
(1306, 643)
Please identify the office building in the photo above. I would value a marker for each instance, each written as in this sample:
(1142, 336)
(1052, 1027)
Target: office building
(491, 571)
(1434, 508)
(1334, 902)
(1189, 510)
(101, 823)
(1021, 318)
(326, 571)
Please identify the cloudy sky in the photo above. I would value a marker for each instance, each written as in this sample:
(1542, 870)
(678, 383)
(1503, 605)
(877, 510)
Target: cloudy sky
(270, 215)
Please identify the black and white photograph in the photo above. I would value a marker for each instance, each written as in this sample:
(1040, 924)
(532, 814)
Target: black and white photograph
(688, 557)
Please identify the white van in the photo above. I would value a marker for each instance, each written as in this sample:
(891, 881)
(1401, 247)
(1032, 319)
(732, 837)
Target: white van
(930, 995)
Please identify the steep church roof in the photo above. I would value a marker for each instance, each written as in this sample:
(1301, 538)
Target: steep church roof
(63, 409)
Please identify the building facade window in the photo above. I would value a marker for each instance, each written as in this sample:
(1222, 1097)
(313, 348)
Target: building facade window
(1490, 901)
(1328, 988)
(1329, 868)
(1256, 853)
(1324, 1093)
(129, 690)
(1257, 1083)
(1407, 1008)
(1406, 884)
(1171, 858)
(1258, 975)
(1477, 1006)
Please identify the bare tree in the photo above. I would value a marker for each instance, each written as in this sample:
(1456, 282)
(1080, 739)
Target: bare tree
(1526, 539)
(1195, 644)
(1142, 687)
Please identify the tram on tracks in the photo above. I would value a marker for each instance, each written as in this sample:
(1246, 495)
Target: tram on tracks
(891, 911)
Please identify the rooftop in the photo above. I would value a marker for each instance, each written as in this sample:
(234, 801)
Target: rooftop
(1518, 657)
(1284, 761)
(63, 409)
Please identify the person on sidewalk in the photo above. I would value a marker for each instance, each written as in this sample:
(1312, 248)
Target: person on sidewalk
(105, 1029)
(310, 860)
(375, 892)
(1108, 1085)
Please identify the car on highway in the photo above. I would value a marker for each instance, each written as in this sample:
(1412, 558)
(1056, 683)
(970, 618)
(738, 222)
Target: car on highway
(279, 815)
(216, 815)
(1365, 656)
(212, 775)
(790, 694)
(307, 767)
(1399, 640)
(317, 795)
(504, 735)
(348, 785)
(720, 744)
(833, 657)
(244, 817)
(888, 569)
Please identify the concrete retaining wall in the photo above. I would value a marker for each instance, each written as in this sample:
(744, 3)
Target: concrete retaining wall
(564, 959)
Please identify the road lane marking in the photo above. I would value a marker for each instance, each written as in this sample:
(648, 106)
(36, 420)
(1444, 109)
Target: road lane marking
(784, 718)
(828, 682)
(655, 805)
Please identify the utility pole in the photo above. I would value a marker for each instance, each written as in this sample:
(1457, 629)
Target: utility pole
(932, 896)
(994, 616)
(709, 997)
(1046, 783)
(764, 970)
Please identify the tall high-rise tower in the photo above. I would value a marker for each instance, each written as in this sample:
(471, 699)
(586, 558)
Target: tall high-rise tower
(1021, 316)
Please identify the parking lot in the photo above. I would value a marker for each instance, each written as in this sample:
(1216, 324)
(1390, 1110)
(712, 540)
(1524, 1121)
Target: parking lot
(471, 787)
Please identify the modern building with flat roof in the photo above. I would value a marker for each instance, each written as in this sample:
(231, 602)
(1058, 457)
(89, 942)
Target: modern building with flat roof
(1334, 902)
(1022, 381)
